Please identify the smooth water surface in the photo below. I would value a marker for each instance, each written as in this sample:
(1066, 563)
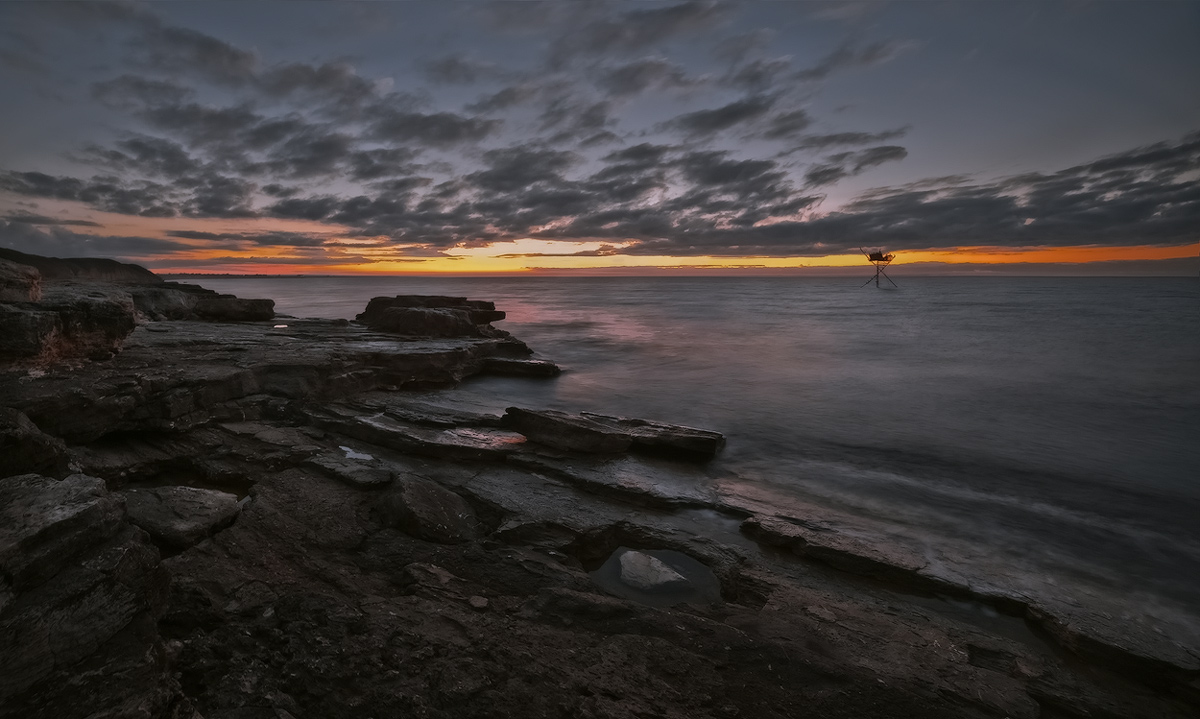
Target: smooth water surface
(1057, 418)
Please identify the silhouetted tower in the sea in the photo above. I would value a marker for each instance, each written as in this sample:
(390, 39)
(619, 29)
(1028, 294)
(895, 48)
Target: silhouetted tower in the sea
(880, 261)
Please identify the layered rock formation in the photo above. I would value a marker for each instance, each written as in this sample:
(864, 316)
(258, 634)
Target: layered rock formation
(229, 519)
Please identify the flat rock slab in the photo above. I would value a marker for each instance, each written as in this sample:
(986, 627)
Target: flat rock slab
(474, 443)
(662, 438)
(352, 472)
(570, 432)
(427, 510)
(180, 516)
(627, 479)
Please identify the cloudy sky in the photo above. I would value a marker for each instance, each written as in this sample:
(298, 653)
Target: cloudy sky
(349, 137)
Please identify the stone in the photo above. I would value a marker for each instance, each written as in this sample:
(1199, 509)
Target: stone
(649, 574)
(180, 516)
(70, 321)
(19, 283)
(26, 449)
(566, 431)
(430, 315)
(478, 603)
(164, 302)
(427, 510)
(353, 473)
(45, 523)
(426, 322)
(667, 439)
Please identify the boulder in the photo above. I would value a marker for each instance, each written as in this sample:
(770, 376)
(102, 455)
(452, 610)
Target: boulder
(566, 431)
(649, 574)
(180, 516)
(426, 322)
(227, 308)
(26, 449)
(429, 511)
(71, 321)
(466, 314)
(19, 283)
(44, 523)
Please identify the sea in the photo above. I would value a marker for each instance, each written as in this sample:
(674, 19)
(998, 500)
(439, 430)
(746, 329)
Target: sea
(1052, 419)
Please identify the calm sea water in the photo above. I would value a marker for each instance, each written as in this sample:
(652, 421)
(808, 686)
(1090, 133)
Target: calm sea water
(1053, 418)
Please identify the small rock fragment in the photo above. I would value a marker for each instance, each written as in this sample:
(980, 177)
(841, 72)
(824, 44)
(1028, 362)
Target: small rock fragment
(649, 574)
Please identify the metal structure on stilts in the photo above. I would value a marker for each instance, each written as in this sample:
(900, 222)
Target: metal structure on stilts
(880, 261)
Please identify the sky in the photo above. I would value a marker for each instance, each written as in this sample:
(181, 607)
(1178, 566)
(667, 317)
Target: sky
(603, 137)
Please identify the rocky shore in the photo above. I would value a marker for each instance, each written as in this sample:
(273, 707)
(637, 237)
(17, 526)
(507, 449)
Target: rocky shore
(207, 510)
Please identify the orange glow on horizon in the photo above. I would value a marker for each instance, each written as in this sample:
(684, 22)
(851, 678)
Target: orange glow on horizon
(502, 259)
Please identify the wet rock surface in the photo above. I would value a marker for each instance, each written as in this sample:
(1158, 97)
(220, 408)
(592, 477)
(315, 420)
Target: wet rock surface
(394, 555)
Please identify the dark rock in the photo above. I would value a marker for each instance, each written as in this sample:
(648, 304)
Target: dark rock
(430, 315)
(566, 431)
(227, 308)
(471, 443)
(662, 438)
(70, 321)
(78, 634)
(180, 516)
(352, 472)
(426, 322)
(44, 523)
(644, 572)
(520, 367)
(82, 268)
(19, 283)
(26, 449)
(164, 302)
(427, 510)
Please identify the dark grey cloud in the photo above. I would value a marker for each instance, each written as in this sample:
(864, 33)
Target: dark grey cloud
(848, 164)
(848, 56)
(707, 122)
(631, 31)
(784, 125)
(836, 139)
(635, 77)
(178, 49)
(514, 168)
(759, 75)
(32, 219)
(505, 98)
(233, 240)
(440, 129)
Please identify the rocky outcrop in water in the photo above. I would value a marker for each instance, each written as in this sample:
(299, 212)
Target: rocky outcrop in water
(231, 519)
